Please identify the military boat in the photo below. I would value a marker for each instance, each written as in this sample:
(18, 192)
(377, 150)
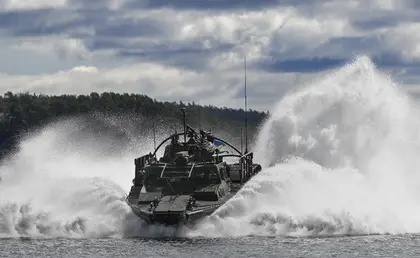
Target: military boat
(191, 180)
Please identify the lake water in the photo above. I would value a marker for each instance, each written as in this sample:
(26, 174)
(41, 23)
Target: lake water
(354, 246)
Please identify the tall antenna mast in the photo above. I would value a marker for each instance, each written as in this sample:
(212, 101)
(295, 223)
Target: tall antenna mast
(242, 142)
(199, 117)
(185, 124)
(154, 134)
(246, 110)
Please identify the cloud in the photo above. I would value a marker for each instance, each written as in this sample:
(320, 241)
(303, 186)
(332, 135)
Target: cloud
(62, 47)
(194, 49)
(158, 81)
(14, 5)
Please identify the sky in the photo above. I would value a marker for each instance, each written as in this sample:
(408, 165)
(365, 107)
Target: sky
(193, 50)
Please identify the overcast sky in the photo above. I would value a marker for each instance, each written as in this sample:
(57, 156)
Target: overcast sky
(192, 50)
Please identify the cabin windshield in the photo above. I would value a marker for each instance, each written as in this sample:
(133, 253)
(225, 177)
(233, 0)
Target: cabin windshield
(180, 179)
(176, 172)
(205, 175)
(153, 182)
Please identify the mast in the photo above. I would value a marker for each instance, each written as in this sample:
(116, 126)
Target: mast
(185, 124)
(246, 110)
(154, 134)
(199, 117)
(242, 148)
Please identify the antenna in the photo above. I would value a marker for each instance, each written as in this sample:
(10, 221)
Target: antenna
(246, 109)
(154, 134)
(242, 148)
(185, 124)
(199, 117)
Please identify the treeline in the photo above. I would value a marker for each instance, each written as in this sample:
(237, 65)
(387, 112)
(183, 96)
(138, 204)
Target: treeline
(23, 112)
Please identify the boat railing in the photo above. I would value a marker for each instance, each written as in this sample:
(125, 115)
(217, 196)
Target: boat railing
(245, 164)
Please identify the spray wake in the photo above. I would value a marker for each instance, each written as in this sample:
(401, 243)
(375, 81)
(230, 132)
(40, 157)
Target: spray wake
(340, 158)
(70, 180)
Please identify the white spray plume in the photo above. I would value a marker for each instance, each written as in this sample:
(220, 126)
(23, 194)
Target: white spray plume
(61, 183)
(340, 156)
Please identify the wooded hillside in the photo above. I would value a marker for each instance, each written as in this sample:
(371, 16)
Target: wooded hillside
(22, 112)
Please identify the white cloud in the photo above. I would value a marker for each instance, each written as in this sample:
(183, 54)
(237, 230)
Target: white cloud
(195, 54)
(406, 39)
(157, 81)
(13, 5)
(64, 47)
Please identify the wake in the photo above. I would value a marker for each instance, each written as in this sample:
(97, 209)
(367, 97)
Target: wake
(65, 182)
(340, 158)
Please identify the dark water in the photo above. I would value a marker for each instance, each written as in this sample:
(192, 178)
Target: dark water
(358, 246)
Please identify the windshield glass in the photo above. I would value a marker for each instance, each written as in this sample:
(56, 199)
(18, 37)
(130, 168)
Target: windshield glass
(152, 181)
(205, 175)
(176, 179)
(171, 172)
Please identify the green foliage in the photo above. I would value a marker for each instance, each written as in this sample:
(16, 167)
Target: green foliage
(23, 111)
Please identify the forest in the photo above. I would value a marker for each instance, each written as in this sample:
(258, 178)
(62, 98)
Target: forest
(23, 112)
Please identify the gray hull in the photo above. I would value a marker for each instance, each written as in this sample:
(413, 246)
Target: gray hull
(175, 210)
(172, 217)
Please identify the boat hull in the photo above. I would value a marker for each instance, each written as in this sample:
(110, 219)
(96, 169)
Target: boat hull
(173, 218)
(176, 217)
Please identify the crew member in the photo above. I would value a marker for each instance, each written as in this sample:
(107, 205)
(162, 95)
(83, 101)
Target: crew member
(172, 148)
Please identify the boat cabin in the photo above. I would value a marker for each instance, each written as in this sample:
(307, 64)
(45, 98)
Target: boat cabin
(190, 179)
(192, 167)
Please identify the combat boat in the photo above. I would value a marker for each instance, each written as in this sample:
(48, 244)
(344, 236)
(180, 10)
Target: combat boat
(191, 180)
